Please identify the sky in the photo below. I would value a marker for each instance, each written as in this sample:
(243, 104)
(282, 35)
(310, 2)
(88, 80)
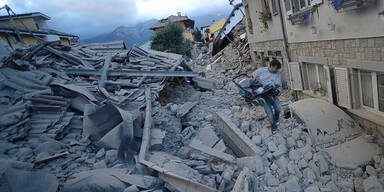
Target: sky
(88, 18)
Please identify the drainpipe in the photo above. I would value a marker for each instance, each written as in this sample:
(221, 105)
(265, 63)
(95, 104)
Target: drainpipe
(284, 32)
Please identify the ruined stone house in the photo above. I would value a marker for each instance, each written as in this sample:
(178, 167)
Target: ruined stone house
(330, 49)
(186, 23)
(23, 30)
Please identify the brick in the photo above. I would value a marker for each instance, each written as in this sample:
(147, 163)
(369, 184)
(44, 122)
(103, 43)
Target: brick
(363, 43)
(371, 42)
(379, 42)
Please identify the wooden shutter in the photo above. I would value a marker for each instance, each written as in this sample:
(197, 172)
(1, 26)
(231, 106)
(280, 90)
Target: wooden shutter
(343, 89)
(295, 76)
(329, 83)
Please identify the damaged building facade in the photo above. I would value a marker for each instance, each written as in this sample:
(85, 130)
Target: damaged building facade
(27, 27)
(186, 23)
(333, 50)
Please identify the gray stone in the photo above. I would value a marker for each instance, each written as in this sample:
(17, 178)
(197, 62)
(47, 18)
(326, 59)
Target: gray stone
(245, 125)
(228, 173)
(295, 155)
(208, 136)
(308, 155)
(24, 152)
(309, 175)
(291, 142)
(370, 170)
(282, 149)
(50, 147)
(20, 181)
(132, 188)
(220, 146)
(110, 156)
(100, 153)
(272, 146)
(274, 167)
(256, 139)
(265, 133)
(312, 188)
(323, 164)
(100, 165)
(358, 172)
(292, 184)
(41, 156)
(203, 169)
(253, 163)
(271, 180)
(303, 164)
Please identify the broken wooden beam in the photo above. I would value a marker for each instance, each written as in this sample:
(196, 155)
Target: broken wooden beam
(235, 138)
(131, 73)
(53, 157)
(197, 145)
(147, 125)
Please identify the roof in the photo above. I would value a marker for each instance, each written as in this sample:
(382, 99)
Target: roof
(8, 28)
(26, 15)
(173, 19)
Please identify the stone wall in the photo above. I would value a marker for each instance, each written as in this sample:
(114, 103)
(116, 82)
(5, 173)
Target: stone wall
(371, 49)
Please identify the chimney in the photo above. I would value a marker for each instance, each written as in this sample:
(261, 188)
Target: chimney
(178, 13)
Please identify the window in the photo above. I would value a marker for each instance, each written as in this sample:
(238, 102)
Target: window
(274, 8)
(250, 25)
(366, 88)
(315, 78)
(288, 5)
(380, 87)
(371, 89)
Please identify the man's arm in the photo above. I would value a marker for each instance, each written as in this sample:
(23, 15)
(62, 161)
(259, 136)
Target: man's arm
(277, 82)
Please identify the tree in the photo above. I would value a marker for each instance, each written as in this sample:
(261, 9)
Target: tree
(171, 37)
(197, 35)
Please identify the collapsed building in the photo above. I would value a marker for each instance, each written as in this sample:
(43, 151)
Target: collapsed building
(100, 117)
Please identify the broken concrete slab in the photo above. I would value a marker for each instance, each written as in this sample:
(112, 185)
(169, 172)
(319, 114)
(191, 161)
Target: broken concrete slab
(235, 138)
(21, 181)
(220, 146)
(352, 154)
(208, 136)
(197, 145)
(206, 84)
(253, 163)
(185, 108)
(327, 123)
(9, 163)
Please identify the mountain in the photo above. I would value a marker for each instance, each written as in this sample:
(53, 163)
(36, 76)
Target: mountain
(140, 33)
(134, 35)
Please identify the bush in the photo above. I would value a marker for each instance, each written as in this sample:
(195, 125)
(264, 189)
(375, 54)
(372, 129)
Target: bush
(197, 35)
(171, 37)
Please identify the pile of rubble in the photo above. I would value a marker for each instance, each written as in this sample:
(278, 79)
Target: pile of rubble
(76, 119)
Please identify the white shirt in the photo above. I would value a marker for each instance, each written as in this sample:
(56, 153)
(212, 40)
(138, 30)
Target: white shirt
(263, 76)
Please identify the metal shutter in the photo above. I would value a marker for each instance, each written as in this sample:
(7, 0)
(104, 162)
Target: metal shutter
(343, 89)
(295, 76)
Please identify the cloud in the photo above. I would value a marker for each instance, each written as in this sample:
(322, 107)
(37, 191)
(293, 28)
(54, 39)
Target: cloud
(88, 18)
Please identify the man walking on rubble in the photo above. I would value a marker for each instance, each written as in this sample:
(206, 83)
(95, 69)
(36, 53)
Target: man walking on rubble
(270, 76)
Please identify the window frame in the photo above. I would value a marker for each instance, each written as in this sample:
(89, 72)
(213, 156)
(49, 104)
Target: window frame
(274, 10)
(314, 91)
(375, 92)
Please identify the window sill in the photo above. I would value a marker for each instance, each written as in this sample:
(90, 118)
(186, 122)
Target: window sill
(374, 117)
(310, 93)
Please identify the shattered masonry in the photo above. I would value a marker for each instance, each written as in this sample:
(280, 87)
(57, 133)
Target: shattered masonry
(98, 117)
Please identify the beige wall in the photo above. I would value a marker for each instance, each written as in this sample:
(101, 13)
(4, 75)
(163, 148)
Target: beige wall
(260, 34)
(360, 23)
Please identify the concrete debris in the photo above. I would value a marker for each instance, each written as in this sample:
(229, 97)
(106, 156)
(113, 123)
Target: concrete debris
(18, 180)
(99, 117)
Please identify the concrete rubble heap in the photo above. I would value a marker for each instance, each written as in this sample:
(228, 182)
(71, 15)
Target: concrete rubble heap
(75, 119)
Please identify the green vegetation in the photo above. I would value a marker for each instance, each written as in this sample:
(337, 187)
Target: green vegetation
(171, 38)
(197, 35)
